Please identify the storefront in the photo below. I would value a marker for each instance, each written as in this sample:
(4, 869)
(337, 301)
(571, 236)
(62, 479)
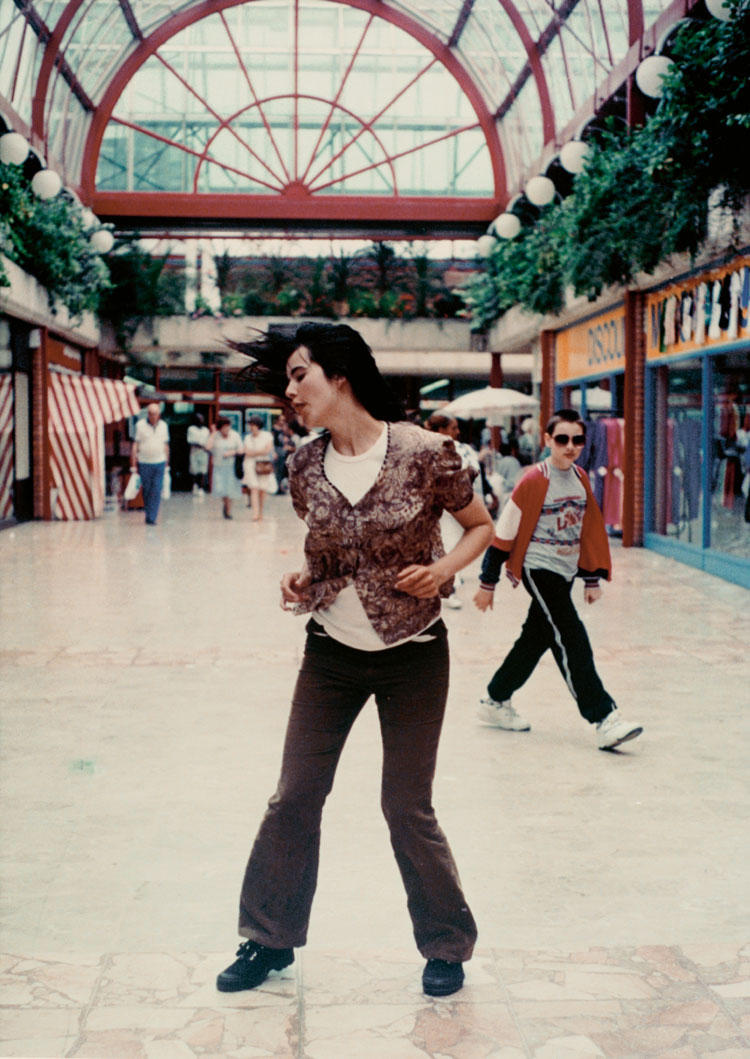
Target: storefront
(697, 456)
(589, 375)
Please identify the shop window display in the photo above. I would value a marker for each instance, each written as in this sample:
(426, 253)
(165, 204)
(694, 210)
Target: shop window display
(730, 470)
(678, 465)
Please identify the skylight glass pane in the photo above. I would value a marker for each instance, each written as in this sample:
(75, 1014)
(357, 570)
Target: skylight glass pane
(51, 11)
(151, 13)
(15, 78)
(440, 15)
(521, 133)
(502, 47)
(224, 89)
(557, 83)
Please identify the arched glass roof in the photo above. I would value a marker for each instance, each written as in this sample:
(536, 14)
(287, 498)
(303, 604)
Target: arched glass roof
(310, 108)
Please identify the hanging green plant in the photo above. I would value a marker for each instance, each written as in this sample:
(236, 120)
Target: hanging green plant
(644, 193)
(47, 239)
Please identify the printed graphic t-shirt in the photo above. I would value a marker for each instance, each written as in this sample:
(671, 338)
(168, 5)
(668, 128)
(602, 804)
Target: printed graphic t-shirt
(556, 541)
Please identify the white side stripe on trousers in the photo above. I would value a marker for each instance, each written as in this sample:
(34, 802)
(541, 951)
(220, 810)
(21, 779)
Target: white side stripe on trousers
(555, 630)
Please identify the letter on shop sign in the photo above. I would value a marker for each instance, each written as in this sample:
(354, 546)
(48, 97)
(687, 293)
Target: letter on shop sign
(606, 342)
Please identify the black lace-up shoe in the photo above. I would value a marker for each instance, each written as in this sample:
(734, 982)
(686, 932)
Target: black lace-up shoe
(253, 966)
(441, 978)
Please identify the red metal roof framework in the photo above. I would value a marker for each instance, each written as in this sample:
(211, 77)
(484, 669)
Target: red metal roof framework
(509, 59)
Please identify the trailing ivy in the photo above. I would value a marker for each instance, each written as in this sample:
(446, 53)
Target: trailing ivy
(48, 240)
(644, 193)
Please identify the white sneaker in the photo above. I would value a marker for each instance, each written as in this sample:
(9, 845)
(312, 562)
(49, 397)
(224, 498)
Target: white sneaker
(613, 730)
(501, 715)
(453, 602)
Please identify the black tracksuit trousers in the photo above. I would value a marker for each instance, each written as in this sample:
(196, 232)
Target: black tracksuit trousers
(553, 622)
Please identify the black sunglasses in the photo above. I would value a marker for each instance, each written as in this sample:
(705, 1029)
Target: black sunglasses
(563, 439)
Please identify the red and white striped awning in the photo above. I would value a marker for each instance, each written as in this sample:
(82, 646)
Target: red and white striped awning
(79, 406)
(6, 445)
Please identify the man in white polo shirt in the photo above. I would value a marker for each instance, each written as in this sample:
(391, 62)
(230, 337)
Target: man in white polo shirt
(150, 456)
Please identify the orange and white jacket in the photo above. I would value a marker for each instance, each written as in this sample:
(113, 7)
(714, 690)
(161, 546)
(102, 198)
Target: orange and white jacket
(519, 517)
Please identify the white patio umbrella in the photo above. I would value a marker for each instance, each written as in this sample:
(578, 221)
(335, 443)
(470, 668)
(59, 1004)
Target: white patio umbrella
(490, 403)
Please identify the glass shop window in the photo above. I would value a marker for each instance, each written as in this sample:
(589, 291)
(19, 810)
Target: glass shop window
(678, 462)
(730, 468)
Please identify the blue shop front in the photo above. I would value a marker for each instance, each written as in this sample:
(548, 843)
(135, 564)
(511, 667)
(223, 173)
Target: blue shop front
(697, 451)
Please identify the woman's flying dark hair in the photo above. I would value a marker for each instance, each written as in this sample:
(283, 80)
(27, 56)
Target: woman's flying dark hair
(337, 348)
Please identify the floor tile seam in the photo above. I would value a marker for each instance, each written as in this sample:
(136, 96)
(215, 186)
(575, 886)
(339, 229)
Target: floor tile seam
(105, 964)
(508, 1000)
(711, 994)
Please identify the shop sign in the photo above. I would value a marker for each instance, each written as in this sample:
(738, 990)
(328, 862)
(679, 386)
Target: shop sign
(711, 309)
(64, 356)
(594, 347)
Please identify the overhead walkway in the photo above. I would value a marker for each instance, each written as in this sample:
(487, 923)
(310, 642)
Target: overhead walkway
(422, 347)
(147, 673)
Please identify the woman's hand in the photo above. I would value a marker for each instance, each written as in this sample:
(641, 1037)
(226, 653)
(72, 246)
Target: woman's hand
(591, 595)
(294, 587)
(423, 582)
(484, 599)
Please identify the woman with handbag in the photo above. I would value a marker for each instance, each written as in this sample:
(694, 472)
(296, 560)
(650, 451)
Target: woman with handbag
(371, 490)
(225, 444)
(258, 477)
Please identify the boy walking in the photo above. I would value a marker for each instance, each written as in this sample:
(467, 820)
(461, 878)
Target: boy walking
(550, 531)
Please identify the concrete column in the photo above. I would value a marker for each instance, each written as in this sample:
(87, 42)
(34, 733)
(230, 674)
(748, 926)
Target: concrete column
(191, 274)
(209, 288)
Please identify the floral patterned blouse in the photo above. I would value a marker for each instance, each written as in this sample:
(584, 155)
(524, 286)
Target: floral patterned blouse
(396, 523)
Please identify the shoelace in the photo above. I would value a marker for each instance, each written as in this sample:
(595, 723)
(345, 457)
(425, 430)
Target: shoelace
(248, 950)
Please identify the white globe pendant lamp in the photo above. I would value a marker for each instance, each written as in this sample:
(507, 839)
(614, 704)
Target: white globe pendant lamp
(102, 240)
(719, 10)
(540, 191)
(14, 148)
(46, 184)
(650, 75)
(507, 225)
(573, 155)
(485, 245)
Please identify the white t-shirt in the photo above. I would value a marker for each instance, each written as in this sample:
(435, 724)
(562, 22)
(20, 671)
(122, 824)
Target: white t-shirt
(346, 619)
(556, 541)
(197, 435)
(152, 441)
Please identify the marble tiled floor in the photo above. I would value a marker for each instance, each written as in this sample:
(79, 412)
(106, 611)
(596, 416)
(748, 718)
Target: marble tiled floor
(146, 676)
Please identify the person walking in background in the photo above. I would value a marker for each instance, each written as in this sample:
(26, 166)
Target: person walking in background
(225, 444)
(149, 456)
(258, 477)
(370, 490)
(448, 427)
(287, 442)
(550, 531)
(507, 469)
(197, 436)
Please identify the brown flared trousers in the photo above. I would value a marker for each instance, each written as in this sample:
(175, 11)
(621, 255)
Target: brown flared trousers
(410, 685)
